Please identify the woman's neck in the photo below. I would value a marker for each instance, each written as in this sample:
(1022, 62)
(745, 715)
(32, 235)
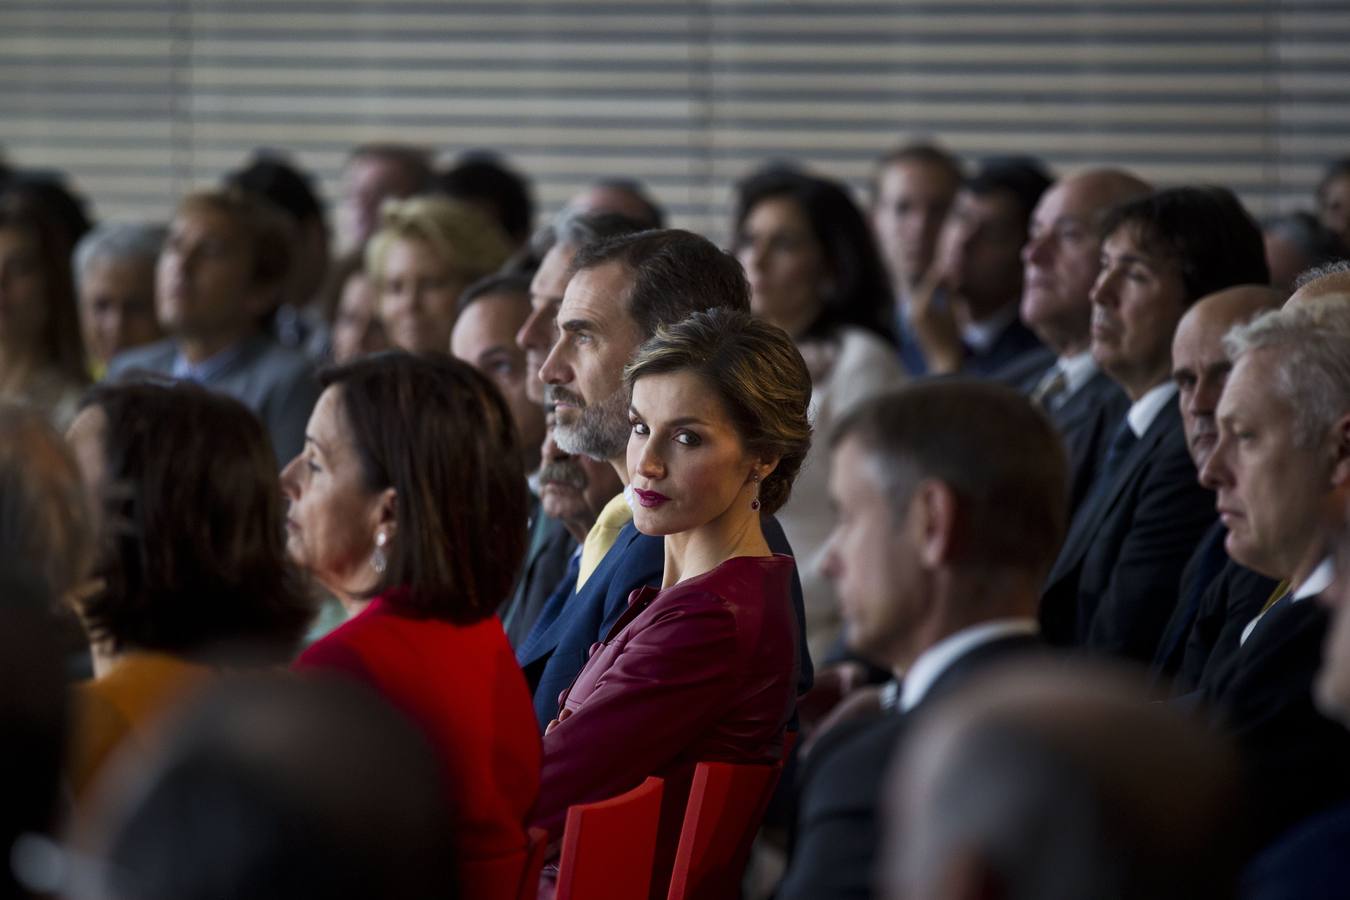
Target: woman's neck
(700, 550)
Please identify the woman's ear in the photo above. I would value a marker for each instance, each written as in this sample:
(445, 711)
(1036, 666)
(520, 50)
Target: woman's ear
(764, 466)
(385, 512)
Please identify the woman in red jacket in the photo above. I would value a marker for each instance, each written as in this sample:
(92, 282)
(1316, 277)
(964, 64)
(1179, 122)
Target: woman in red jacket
(407, 503)
(704, 668)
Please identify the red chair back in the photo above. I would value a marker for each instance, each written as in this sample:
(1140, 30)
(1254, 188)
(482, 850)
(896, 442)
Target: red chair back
(535, 851)
(608, 846)
(726, 804)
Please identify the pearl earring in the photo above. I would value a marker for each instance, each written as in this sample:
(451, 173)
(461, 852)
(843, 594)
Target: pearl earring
(378, 561)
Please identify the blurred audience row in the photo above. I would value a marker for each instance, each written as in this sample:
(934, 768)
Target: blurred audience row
(991, 514)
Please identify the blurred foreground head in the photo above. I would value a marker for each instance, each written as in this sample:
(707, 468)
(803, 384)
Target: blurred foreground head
(282, 788)
(1045, 782)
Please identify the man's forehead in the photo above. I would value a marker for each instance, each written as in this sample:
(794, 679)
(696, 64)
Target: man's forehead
(597, 296)
(550, 280)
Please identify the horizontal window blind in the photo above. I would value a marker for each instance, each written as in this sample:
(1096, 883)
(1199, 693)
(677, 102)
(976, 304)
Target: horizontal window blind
(141, 101)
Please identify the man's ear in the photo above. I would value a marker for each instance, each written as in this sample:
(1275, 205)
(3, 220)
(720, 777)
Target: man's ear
(935, 504)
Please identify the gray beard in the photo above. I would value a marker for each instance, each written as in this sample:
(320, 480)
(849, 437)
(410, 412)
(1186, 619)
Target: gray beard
(600, 430)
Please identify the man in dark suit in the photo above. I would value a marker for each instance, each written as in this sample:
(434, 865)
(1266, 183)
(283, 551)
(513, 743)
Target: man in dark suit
(1200, 367)
(1114, 585)
(952, 505)
(621, 290)
(1281, 473)
(1061, 259)
(964, 313)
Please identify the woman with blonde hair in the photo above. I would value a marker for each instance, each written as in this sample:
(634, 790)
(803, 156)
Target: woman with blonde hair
(426, 251)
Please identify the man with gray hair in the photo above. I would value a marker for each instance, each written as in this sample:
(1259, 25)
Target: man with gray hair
(115, 283)
(1327, 280)
(556, 245)
(1281, 473)
(1057, 784)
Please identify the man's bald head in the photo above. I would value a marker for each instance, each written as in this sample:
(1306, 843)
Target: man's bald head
(1200, 366)
(1044, 782)
(1062, 254)
(1323, 281)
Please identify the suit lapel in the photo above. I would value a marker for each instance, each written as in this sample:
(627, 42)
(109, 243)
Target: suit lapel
(1092, 514)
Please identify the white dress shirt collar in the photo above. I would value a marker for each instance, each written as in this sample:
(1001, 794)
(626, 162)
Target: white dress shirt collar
(980, 336)
(940, 657)
(1078, 371)
(1317, 582)
(1144, 410)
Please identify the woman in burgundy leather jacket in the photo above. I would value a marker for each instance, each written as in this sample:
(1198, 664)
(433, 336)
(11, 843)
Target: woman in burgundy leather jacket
(706, 667)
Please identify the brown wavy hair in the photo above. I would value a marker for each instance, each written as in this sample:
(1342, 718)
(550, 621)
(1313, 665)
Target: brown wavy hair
(755, 369)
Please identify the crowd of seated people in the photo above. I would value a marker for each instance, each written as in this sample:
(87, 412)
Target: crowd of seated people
(999, 517)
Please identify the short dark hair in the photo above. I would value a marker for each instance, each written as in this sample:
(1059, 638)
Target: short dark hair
(193, 549)
(62, 346)
(861, 292)
(438, 432)
(757, 372)
(282, 183)
(991, 446)
(1024, 177)
(501, 283)
(483, 178)
(268, 231)
(675, 274)
(920, 152)
(414, 161)
(1204, 230)
(654, 216)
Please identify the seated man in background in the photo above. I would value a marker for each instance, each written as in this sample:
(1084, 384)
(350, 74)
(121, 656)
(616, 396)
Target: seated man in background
(1055, 783)
(912, 191)
(491, 311)
(373, 174)
(224, 261)
(1061, 260)
(952, 505)
(966, 315)
(115, 286)
(1281, 473)
(1114, 585)
(573, 489)
(1213, 589)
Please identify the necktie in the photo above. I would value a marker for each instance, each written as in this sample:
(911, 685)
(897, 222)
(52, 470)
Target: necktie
(1121, 443)
(1049, 393)
(600, 538)
(1282, 596)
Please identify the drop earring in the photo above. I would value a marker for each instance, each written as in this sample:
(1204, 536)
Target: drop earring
(754, 502)
(378, 561)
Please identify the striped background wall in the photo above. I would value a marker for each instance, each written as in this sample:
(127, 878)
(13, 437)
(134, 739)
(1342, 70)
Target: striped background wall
(142, 99)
